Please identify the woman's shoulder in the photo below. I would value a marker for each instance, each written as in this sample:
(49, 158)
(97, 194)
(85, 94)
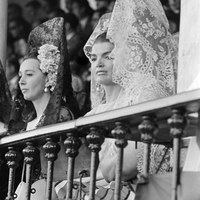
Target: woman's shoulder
(91, 112)
(65, 114)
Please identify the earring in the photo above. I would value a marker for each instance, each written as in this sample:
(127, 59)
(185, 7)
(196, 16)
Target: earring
(45, 89)
(98, 87)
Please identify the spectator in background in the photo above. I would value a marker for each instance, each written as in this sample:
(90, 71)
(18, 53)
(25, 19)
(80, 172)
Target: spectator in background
(173, 15)
(19, 29)
(102, 4)
(57, 12)
(5, 101)
(14, 11)
(96, 16)
(33, 9)
(49, 5)
(12, 69)
(174, 6)
(10, 47)
(68, 5)
(174, 21)
(111, 5)
(73, 35)
(83, 12)
(75, 49)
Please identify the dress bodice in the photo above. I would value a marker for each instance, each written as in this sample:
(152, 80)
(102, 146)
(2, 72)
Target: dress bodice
(60, 164)
(160, 158)
(158, 152)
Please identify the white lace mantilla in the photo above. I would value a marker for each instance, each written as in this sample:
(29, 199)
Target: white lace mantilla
(156, 156)
(145, 53)
(143, 50)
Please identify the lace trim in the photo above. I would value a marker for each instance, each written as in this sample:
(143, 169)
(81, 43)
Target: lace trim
(156, 155)
(145, 53)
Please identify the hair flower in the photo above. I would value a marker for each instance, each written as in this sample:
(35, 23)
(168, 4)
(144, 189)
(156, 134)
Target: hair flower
(49, 57)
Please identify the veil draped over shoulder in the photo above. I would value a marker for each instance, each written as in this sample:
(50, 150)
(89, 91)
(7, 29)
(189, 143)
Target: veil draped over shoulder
(144, 53)
(51, 32)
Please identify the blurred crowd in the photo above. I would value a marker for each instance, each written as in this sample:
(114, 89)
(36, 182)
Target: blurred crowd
(80, 19)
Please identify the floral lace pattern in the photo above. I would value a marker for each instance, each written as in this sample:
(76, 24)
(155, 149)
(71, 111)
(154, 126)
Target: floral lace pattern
(143, 50)
(156, 156)
(145, 53)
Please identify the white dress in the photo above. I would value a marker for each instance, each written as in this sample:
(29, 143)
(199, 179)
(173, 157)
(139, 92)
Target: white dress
(192, 161)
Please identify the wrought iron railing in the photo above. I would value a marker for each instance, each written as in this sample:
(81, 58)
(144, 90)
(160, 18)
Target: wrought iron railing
(170, 116)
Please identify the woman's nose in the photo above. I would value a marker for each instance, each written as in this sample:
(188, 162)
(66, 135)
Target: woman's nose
(21, 80)
(100, 63)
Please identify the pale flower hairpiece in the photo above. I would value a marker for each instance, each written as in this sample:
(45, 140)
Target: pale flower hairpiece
(49, 57)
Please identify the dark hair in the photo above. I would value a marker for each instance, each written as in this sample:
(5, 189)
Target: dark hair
(102, 38)
(173, 17)
(34, 4)
(5, 97)
(53, 4)
(72, 20)
(84, 4)
(21, 22)
(16, 8)
(13, 61)
(57, 12)
(33, 55)
(67, 93)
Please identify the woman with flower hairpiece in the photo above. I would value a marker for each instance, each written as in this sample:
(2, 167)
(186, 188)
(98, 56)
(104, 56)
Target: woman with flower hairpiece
(46, 91)
(132, 57)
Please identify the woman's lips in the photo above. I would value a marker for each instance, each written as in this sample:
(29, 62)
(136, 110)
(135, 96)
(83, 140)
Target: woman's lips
(24, 90)
(101, 72)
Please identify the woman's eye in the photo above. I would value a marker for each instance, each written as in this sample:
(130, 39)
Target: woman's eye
(29, 74)
(93, 59)
(109, 57)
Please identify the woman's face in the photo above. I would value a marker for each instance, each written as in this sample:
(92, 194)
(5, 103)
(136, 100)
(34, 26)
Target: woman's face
(32, 80)
(102, 63)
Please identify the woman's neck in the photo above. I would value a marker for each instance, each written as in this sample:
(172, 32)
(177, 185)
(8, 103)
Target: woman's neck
(40, 104)
(112, 92)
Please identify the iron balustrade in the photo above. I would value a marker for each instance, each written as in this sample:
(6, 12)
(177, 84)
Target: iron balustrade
(156, 121)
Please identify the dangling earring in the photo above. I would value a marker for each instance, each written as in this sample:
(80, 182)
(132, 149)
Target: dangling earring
(98, 87)
(45, 89)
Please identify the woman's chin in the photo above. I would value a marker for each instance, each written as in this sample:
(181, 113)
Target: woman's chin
(26, 97)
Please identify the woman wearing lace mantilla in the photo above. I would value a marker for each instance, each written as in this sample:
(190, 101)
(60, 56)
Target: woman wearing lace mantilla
(45, 81)
(132, 64)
